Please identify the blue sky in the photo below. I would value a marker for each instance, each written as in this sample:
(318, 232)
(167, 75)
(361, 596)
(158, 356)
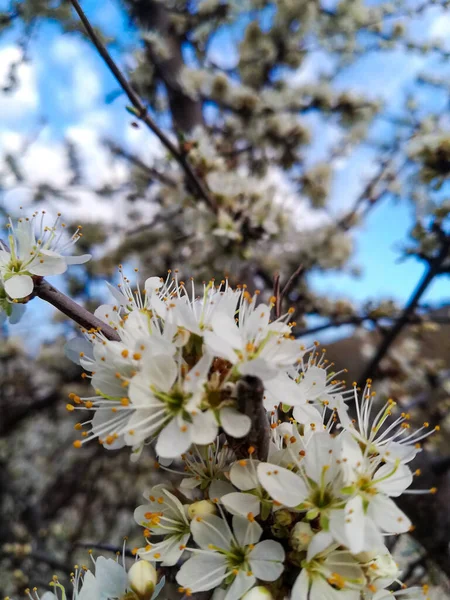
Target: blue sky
(66, 84)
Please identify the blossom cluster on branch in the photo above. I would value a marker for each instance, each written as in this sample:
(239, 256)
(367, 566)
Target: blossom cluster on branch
(284, 494)
(309, 519)
(33, 250)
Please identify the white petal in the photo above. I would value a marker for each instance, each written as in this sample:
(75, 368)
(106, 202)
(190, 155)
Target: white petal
(319, 456)
(259, 368)
(284, 389)
(321, 589)
(111, 577)
(257, 321)
(204, 428)
(241, 584)
(202, 572)
(198, 374)
(396, 479)
(219, 488)
(225, 327)
(174, 440)
(234, 423)
(211, 530)
(246, 532)
(17, 311)
(266, 560)
(319, 543)
(282, 485)
(243, 475)
(219, 347)
(48, 265)
(355, 524)
(77, 346)
(238, 503)
(152, 284)
(78, 260)
(300, 591)
(90, 589)
(161, 370)
(307, 413)
(387, 516)
(19, 286)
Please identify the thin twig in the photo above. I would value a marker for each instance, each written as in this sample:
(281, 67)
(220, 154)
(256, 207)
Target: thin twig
(141, 111)
(71, 309)
(434, 268)
(135, 160)
(291, 282)
(277, 294)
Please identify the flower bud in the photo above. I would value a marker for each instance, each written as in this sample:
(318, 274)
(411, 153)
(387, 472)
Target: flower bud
(301, 536)
(142, 579)
(258, 593)
(202, 508)
(283, 517)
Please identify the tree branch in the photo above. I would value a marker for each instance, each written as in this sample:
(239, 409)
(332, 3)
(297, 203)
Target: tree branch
(71, 309)
(250, 394)
(141, 112)
(434, 267)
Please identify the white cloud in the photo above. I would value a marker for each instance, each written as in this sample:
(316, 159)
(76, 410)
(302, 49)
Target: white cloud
(86, 86)
(25, 98)
(65, 50)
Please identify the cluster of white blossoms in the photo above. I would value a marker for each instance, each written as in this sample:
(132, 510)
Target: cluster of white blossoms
(307, 520)
(31, 251)
(108, 581)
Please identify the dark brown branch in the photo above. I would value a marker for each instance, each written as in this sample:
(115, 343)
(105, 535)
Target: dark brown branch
(140, 110)
(250, 394)
(434, 268)
(71, 309)
(154, 15)
(291, 282)
(277, 294)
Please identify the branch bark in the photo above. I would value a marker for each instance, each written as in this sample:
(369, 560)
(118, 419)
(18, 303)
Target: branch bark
(186, 112)
(434, 268)
(140, 111)
(250, 393)
(79, 314)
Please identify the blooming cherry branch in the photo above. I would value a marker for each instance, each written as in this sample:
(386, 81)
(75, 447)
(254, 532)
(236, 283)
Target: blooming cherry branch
(283, 494)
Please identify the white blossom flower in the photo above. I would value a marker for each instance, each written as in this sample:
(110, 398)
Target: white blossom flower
(329, 573)
(314, 482)
(255, 346)
(392, 442)
(369, 509)
(204, 465)
(231, 556)
(380, 569)
(164, 516)
(35, 251)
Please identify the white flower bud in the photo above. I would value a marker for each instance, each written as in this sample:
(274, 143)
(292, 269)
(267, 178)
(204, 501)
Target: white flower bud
(258, 593)
(202, 508)
(301, 536)
(142, 579)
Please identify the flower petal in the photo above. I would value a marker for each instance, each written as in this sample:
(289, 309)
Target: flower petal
(283, 485)
(211, 530)
(174, 439)
(238, 503)
(266, 560)
(241, 584)
(19, 286)
(234, 423)
(202, 572)
(246, 531)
